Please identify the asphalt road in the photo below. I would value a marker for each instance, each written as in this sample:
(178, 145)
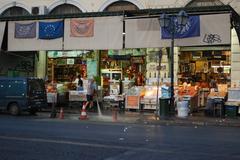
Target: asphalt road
(38, 138)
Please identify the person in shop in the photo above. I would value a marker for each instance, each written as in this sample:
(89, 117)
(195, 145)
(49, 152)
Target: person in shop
(78, 82)
(210, 102)
(91, 91)
(213, 84)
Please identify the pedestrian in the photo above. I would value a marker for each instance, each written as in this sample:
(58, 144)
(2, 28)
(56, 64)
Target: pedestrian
(91, 90)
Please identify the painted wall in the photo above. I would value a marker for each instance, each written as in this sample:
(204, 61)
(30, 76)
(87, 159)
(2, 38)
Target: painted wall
(99, 5)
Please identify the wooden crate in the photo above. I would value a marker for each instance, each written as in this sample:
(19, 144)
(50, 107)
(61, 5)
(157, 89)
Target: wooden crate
(132, 102)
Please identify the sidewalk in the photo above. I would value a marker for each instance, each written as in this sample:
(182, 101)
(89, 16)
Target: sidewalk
(146, 118)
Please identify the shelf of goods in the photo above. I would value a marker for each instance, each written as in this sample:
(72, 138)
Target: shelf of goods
(149, 98)
(149, 103)
(77, 96)
(113, 101)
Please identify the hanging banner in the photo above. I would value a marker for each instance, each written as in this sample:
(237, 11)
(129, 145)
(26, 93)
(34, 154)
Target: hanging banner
(50, 30)
(30, 44)
(146, 33)
(106, 33)
(191, 29)
(82, 28)
(25, 30)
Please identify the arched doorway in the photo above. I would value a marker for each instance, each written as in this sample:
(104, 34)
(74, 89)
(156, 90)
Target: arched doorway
(15, 11)
(65, 9)
(121, 6)
(202, 3)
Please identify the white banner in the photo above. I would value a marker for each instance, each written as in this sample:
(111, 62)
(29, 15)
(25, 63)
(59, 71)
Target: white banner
(145, 33)
(31, 44)
(93, 33)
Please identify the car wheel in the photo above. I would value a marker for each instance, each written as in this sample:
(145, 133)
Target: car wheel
(14, 109)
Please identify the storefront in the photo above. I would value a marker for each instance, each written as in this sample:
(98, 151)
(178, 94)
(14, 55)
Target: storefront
(130, 59)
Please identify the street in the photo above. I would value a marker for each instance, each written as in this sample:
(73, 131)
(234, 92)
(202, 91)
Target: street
(39, 138)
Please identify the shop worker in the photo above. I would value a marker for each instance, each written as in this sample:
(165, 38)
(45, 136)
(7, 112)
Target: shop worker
(213, 84)
(80, 83)
(91, 89)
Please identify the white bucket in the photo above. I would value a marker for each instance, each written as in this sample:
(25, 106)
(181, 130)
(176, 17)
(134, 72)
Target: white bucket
(182, 107)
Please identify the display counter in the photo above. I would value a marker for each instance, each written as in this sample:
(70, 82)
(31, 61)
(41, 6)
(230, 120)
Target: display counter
(190, 94)
(77, 96)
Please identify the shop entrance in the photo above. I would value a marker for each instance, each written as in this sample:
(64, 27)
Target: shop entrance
(197, 72)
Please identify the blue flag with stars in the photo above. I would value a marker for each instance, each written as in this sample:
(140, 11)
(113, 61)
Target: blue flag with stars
(50, 30)
(191, 29)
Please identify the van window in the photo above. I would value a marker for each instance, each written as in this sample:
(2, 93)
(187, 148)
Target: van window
(36, 86)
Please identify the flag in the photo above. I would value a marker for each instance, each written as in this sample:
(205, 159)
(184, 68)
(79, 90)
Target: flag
(50, 30)
(25, 30)
(82, 28)
(191, 29)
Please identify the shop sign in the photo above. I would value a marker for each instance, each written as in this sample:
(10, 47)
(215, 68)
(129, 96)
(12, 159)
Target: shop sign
(120, 57)
(196, 55)
(70, 61)
(59, 54)
(61, 61)
(112, 52)
(138, 60)
(139, 52)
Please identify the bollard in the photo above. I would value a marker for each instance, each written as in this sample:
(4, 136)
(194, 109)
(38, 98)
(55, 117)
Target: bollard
(61, 114)
(53, 111)
(114, 114)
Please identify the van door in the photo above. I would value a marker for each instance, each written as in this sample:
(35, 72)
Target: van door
(3, 89)
(12, 90)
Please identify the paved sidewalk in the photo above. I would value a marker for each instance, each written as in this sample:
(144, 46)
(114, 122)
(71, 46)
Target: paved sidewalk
(146, 118)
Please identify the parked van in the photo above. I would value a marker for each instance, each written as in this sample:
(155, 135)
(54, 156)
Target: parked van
(22, 94)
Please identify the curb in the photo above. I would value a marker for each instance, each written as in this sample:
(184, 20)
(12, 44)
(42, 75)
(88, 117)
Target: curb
(153, 120)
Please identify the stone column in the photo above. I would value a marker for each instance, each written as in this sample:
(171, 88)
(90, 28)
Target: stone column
(235, 60)
(40, 64)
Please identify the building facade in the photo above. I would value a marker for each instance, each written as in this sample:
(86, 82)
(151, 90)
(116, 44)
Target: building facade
(34, 61)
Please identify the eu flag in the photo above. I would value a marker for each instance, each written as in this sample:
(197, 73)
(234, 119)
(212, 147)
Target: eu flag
(191, 29)
(50, 30)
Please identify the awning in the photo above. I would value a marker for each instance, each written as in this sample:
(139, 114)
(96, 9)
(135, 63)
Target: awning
(2, 30)
(145, 33)
(206, 48)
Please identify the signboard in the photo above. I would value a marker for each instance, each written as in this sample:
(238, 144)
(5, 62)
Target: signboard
(139, 60)
(132, 102)
(70, 61)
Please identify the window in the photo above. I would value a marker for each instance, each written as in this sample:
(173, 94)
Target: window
(121, 6)
(15, 11)
(65, 9)
(202, 3)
